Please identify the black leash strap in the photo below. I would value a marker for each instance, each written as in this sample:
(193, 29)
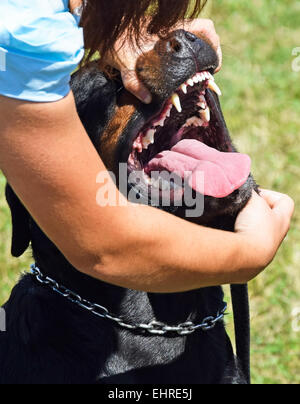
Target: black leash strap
(241, 313)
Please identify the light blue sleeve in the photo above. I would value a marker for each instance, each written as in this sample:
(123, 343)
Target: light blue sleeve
(40, 45)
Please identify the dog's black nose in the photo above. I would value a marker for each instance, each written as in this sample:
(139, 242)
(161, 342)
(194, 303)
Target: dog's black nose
(180, 43)
(190, 37)
(185, 45)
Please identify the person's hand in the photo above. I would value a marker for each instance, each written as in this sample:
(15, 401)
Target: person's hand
(125, 57)
(264, 223)
(206, 27)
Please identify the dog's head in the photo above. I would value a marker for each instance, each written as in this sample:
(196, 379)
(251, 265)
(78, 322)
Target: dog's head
(180, 142)
(182, 133)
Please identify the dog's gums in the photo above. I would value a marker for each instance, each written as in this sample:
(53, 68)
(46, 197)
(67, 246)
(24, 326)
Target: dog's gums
(186, 138)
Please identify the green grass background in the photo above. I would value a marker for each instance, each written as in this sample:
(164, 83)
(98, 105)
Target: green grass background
(261, 103)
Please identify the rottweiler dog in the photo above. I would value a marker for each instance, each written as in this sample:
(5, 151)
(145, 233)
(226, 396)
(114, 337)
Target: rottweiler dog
(57, 328)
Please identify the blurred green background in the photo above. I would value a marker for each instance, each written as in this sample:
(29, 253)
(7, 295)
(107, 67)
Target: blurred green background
(261, 103)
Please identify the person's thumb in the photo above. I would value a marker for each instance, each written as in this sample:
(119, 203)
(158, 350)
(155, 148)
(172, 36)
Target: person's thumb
(134, 86)
(279, 203)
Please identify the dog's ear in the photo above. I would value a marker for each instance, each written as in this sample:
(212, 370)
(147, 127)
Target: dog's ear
(20, 223)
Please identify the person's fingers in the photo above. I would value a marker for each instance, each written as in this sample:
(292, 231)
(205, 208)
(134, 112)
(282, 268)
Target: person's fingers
(255, 199)
(135, 86)
(280, 203)
(207, 28)
(210, 31)
(220, 57)
(284, 207)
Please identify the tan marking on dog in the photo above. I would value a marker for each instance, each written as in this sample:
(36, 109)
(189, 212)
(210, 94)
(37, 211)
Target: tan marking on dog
(151, 72)
(110, 137)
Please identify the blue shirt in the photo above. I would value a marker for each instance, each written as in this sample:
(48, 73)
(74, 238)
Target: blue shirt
(40, 45)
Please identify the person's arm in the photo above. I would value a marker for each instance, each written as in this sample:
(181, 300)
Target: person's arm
(50, 162)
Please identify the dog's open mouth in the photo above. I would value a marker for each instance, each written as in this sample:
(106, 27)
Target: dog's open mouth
(188, 139)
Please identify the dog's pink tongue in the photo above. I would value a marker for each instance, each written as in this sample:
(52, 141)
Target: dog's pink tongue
(223, 172)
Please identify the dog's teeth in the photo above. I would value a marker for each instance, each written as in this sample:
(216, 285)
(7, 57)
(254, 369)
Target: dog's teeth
(205, 115)
(195, 79)
(145, 144)
(190, 82)
(150, 135)
(194, 121)
(137, 145)
(212, 85)
(161, 122)
(168, 113)
(148, 139)
(202, 102)
(176, 102)
(184, 88)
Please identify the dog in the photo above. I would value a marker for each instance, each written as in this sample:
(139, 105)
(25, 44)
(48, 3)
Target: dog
(55, 335)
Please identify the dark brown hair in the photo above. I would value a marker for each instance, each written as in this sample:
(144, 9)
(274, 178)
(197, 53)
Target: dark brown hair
(105, 21)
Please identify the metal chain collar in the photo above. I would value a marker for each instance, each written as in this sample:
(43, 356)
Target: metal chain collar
(154, 328)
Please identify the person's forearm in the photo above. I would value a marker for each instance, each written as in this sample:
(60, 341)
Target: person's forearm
(161, 253)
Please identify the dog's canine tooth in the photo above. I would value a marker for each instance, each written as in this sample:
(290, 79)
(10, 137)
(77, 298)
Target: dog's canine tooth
(148, 139)
(190, 82)
(212, 85)
(176, 102)
(205, 115)
(184, 88)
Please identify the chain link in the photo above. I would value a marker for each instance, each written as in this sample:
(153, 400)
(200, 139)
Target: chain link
(154, 328)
